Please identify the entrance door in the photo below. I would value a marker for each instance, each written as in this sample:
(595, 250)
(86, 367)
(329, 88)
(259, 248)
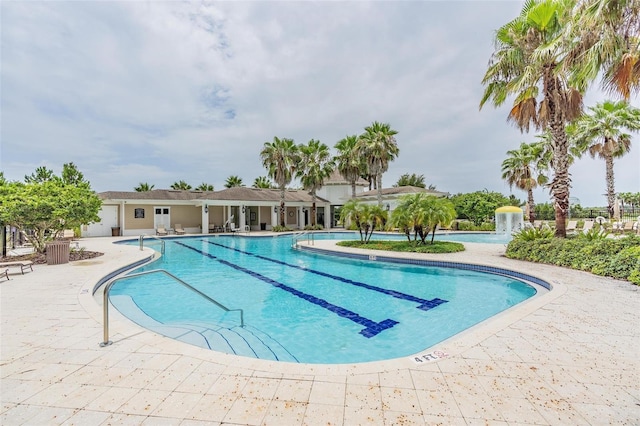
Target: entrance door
(162, 216)
(108, 218)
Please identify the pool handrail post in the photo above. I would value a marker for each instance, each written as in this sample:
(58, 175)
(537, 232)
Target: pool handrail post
(107, 288)
(141, 239)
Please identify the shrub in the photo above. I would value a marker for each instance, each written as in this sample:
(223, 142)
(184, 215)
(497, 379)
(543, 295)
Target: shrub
(464, 225)
(316, 227)
(530, 234)
(279, 228)
(611, 257)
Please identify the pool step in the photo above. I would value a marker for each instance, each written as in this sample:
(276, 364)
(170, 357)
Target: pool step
(229, 338)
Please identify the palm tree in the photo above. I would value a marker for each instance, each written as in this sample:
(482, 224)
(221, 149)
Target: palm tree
(144, 187)
(365, 217)
(421, 214)
(411, 180)
(181, 185)
(608, 32)
(600, 133)
(316, 165)
(280, 157)
(233, 181)
(377, 146)
(348, 162)
(262, 182)
(204, 187)
(526, 63)
(519, 169)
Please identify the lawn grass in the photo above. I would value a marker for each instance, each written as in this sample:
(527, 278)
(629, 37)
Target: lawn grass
(406, 246)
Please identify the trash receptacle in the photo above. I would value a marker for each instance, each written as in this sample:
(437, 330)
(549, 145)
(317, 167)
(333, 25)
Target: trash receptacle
(263, 226)
(57, 252)
(115, 231)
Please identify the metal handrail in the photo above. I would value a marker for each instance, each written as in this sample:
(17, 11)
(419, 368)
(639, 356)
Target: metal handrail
(107, 288)
(296, 237)
(141, 238)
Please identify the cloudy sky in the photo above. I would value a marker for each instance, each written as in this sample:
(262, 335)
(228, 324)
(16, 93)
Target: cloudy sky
(164, 91)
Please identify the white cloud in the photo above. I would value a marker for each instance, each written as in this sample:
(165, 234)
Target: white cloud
(163, 91)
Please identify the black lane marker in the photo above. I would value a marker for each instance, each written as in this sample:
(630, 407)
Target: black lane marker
(371, 327)
(425, 304)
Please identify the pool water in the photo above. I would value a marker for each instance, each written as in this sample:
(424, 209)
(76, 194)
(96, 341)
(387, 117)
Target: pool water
(302, 307)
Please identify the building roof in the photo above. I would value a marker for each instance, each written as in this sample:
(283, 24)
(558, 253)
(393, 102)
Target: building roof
(230, 194)
(337, 179)
(401, 190)
(155, 194)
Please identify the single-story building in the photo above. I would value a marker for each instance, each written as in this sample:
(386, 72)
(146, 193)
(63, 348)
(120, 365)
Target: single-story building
(200, 212)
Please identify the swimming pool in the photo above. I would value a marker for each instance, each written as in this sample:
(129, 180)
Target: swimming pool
(311, 308)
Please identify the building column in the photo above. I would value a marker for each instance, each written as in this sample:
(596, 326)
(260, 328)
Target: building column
(205, 219)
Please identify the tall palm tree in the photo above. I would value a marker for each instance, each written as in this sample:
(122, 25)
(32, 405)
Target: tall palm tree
(377, 146)
(280, 158)
(608, 32)
(204, 187)
(519, 170)
(262, 182)
(526, 64)
(316, 165)
(143, 187)
(601, 134)
(233, 181)
(182, 185)
(348, 162)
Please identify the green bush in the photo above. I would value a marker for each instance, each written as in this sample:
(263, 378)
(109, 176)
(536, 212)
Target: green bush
(464, 225)
(316, 227)
(278, 228)
(530, 234)
(612, 257)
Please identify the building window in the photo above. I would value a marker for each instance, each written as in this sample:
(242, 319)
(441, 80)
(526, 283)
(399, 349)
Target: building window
(138, 213)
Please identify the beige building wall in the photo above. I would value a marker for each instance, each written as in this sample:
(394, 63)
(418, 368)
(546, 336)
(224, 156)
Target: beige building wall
(133, 222)
(216, 215)
(187, 216)
(290, 216)
(265, 215)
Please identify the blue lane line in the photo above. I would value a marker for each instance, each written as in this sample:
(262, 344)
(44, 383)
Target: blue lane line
(425, 304)
(371, 327)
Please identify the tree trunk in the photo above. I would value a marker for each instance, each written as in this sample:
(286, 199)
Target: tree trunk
(313, 210)
(611, 192)
(282, 207)
(561, 180)
(379, 185)
(532, 206)
(353, 189)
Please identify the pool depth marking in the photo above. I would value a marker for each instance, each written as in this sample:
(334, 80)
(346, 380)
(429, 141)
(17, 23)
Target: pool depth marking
(425, 305)
(371, 327)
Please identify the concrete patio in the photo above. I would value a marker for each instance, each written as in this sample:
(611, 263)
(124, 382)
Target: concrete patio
(568, 356)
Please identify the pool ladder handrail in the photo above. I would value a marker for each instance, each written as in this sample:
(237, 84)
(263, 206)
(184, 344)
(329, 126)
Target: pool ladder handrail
(107, 288)
(142, 236)
(296, 237)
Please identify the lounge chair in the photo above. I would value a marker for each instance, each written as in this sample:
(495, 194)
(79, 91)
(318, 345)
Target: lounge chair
(239, 229)
(160, 230)
(23, 264)
(628, 226)
(571, 226)
(178, 229)
(588, 226)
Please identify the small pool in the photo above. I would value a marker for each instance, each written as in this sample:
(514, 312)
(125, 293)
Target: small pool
(305, 307)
